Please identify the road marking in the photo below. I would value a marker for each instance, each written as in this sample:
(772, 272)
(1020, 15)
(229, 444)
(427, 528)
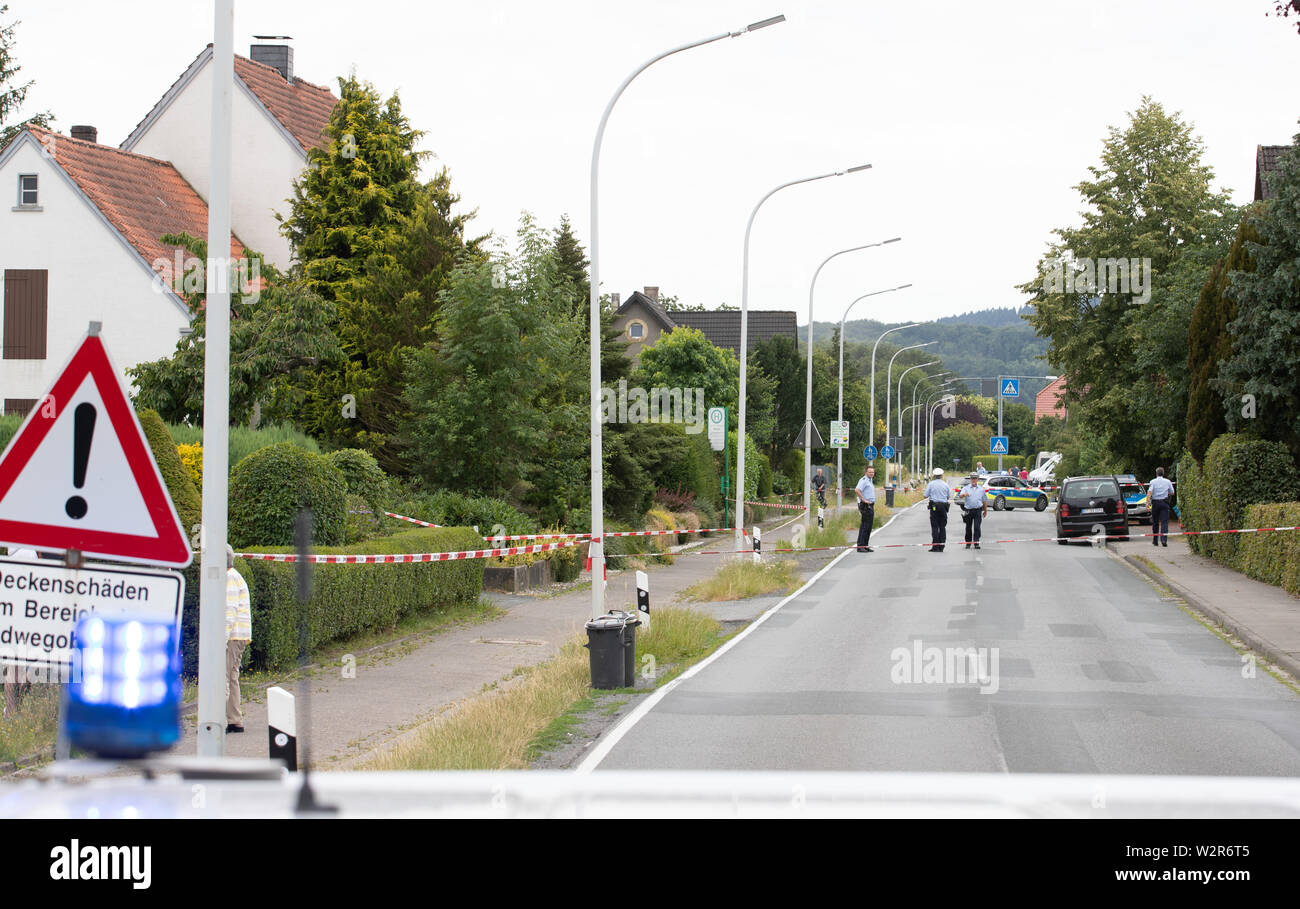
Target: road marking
(607, 744)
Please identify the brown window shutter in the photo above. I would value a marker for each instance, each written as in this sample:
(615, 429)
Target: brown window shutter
(19, 406)
(26, 313)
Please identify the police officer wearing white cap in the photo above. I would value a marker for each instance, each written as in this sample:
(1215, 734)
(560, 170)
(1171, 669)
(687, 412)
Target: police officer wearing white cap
(974, 506)
(936, 494)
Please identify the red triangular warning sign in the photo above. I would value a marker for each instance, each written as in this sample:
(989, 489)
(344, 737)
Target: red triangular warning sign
(79, 473)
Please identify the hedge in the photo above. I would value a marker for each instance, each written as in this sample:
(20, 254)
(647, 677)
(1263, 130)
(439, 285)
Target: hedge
(1273, 558)
(1237, 472)
(349, 599)
(271, 485)
(180, 485)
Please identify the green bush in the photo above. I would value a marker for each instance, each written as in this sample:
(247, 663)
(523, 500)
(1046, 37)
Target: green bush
(244, 441)
(1190, 494)
(764, 470)
(1273, 557)
(455, 509)
(180, 484)
(1237, 472)
(350, 599)
(9, 428)
(268, 489)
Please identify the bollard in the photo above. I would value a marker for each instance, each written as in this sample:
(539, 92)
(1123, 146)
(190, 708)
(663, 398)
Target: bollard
(643, 598)
(282, 727)
(758, 544)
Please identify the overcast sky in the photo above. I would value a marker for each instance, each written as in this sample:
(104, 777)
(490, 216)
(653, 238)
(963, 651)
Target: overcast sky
(977, 118)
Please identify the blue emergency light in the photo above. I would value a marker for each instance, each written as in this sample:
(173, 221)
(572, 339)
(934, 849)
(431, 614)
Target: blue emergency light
(125, 695)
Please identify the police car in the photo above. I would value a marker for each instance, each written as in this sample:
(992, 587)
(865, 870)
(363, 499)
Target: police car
(1007, 493)
(1136, 498)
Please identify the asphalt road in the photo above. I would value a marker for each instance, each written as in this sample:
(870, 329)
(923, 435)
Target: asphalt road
(1085, 669)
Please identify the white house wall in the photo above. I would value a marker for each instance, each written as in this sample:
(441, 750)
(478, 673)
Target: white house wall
(264, 166)
(93, 276)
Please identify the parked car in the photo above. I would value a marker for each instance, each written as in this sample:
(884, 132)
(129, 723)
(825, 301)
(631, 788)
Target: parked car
(1136, 498)
(1090, 505)
(1010, 493)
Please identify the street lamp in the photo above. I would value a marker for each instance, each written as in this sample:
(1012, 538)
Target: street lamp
(839, 452)
(808, 417)
(889, 387)
(744, 348)
(898, 449)
(1000, 378)
(596, 548)
(929, 410)
(916, 422)
(872, 418)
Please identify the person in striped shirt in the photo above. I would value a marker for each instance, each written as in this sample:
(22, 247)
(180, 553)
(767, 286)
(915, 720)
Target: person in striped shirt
(239, 632)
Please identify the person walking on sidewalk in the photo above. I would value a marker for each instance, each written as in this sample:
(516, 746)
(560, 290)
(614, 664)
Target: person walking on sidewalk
(1162, 498)
(866, 492)
(239, 632)
(974, 506)
(936, 495)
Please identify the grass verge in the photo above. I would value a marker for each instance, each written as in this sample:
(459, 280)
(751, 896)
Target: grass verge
(507, 728)
(740, 580)
(33, 725)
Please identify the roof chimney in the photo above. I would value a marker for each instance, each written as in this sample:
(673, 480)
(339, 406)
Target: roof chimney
(88, 133)
(652, 293)
(279, 56)
(614, 299)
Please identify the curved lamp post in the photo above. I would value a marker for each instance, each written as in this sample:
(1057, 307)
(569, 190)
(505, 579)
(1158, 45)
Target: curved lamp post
(839, 452)
(808, 417)
(744, 348)
(596, 548)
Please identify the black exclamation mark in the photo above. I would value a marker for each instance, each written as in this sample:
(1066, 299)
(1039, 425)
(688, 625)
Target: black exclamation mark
(83, 430)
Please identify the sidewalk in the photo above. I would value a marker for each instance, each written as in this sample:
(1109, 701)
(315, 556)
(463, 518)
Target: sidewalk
(409, 683)
(1265, 617)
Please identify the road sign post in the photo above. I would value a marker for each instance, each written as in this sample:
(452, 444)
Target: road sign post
(718, 442)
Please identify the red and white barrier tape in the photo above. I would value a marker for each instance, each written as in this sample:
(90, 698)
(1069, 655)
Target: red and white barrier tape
(400, 557)
(402, 517)
(1073, 539)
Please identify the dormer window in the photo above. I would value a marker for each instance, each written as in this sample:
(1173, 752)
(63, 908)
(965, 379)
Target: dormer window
(28, 196)
(635, 330)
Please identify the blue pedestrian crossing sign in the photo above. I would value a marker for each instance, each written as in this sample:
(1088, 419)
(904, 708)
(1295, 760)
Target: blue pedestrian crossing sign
(887, 451)
(998, 445)
(869, 452)
(1010, 388)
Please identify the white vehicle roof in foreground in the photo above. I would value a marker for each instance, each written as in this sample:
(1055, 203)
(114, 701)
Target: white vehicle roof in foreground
(84, 789)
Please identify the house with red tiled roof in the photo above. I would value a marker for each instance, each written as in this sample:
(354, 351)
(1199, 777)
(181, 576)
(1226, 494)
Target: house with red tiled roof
(1050, 401)
(277, 118)
(83, 243)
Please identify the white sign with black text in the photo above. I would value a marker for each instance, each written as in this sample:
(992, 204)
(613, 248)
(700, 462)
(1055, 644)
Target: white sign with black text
(41, 603)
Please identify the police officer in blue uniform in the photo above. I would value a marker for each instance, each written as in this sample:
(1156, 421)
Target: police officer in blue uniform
(936, 496)
(974, 506)
(1162, 500)
(866, 493)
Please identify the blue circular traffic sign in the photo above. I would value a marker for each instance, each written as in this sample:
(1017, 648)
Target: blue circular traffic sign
(887, 451)
(869, 452)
